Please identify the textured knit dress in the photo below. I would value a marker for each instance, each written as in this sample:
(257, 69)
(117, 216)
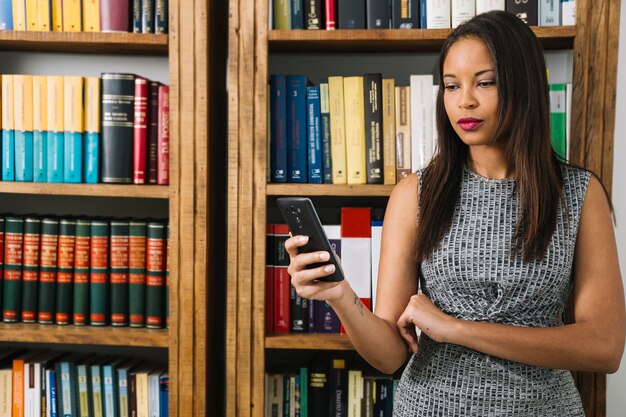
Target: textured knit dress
(474, 275)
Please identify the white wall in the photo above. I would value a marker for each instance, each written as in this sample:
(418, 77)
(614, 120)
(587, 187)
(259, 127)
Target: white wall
(616, 383)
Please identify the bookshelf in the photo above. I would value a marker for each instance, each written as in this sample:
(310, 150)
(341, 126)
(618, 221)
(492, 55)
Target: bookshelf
(251, 45)
(192, 200)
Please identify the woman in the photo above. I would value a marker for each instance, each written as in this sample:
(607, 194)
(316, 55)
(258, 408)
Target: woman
(499, 234)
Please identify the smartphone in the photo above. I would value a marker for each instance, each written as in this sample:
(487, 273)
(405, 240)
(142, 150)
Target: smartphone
(302, 219)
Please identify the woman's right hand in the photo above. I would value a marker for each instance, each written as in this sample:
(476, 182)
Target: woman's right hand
(306, 281)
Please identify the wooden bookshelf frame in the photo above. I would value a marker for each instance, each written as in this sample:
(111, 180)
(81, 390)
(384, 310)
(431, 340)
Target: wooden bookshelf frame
(86, 190)
(594, 41)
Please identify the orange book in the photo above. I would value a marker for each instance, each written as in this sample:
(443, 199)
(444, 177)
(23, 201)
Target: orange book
(57, 15)
(18, 387)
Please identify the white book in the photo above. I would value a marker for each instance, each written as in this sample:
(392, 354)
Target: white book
(153, 393)
(355, 392)
(421, 121)
(438, 14)
(568, 12)
(569, 91)
(549, 12)
(377, 233)
(6, 392)
(337, 130)
(462, 11)
(32, 389)
(435, 133)
(483, 6)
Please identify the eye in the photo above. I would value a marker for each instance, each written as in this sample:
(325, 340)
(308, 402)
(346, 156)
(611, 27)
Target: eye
(487, 83)
(451, 87)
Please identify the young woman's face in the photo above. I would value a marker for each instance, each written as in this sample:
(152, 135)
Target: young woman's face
(470, 92)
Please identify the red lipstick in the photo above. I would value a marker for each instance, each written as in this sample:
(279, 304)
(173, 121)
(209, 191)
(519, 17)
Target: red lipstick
(469, 123)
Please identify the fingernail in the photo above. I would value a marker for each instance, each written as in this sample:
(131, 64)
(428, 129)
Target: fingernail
(324, 256)
(303, 239)
(329, 268)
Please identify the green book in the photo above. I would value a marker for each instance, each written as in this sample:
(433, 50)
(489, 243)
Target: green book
(65, 273)
(137, 273)
(30, 269)
(558, 120)
(118, 274)
(99, 273)
(155, 275)
(14, 236)
(48, 270)
(82, 247)
(282, 14)
(304, 392)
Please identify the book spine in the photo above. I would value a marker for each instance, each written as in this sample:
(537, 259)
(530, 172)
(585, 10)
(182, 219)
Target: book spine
(57, 15)
(527, 11)
(355, 129)
(163, 138)
(40, 128)
(389, 131)
(140, 130)
(23, 113)
(91, 15)
(30, 269)
(52, 386)
(338, 388)
(421, 120)
(299, 317)
(549, 12)
(373, 100)
(96, 391)
(296, 129)
(48, 270)
(351, 14)
(484, 6)
(314, 138)
(8, 132)
(73, 130)
(114, 15)
(99, 273)
(137, 274)
(14, 253)
(282, 14)
(337, 129)
(19, 15)
(132, 394)
(377, 230)
(108, 375)
(6, 15)
(92, 130)
(269, 278)
(356, 233)
(355, 392)
(423, 17)
(142, 395)
(147, 16)
(378, 14)
(155, 258)
(297, 15)
(281, 305)
(31, 15)
(83, 390)
(18, 388)
(137, 10)
(119, 273)
(118, 95)
(403, 132)
(82, 249)
(327, 167)
(152, 167)
(462, 11)
(72, 16)
(122, 390)
(2, 242)
(168, 255)
(55, 120)
(278, 128)
(164, 383)
(313, 14)
(438, 14)
(405, 14)
(568, 12)
(557, 120)
(65, 273)
(326, 320)
(330, 14)
(161, 20)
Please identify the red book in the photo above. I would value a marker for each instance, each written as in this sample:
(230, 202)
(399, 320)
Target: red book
(114, 15)
(331, 14)
(163, 155)
(281, 280)
(153, 132)
(269, 280)
(140, 131)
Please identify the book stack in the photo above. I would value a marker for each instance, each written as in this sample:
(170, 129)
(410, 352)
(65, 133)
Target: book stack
(148, 16)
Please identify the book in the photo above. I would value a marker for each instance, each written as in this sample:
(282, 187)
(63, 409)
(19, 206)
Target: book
(296, 129)
(1, 260)
(330, 14)
(118, 95)
(163, 139)
(13, 253)
(91, 15)
(40, 128)
(136, 18)
(355, 130)
(338, 388)
(314, 138)
(65, 271)
(527, 11)
(297, 14)
(351, 14)
(8, 129)
(57, 15)
(73, 129)
(421, 120)
(403, 132)
(337, 130)
(568, 12)
(23, 113)
(137, 273)
(97, 388)
(72, 16)
(373, 100)
(30, 269)
(31, 15)
(91, 161)
(269, 278)
(327, 166)
(355, 392)
(82, 389)
(549, 12)
(558, 120)
(152, 168)
(313, 17)
(378, 14)
(369, 396)
(55, 122)
(298, 312)
(48, 262)
(568, 117)
(278, 128)
(281, 306)
(356, 251)
(82, 251)
(147, 16)
(154, 389)
(405, 14)
(384, 397)
(388, 106)
(325, 318)
(109, 387)
(438, 14)
(377, 232)
(483, 6)
(19, 15)
(6, 15)
(118, 272)
(140, 130)
(99, 273)
(161, 20)
(462, 11)
(282, 14)
(155, 271)
(274, 395)
(114, 15)
(318, 386)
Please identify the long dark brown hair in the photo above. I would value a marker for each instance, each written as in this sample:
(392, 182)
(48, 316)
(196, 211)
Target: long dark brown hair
(524, 135)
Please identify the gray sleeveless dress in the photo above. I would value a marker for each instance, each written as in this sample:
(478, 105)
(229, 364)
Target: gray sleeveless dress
(474, 276)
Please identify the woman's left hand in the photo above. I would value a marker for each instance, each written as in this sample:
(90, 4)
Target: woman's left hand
(421, 312)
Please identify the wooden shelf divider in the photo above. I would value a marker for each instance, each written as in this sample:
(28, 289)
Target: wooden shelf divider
(314, 341)
(92, 190)
(369, 190)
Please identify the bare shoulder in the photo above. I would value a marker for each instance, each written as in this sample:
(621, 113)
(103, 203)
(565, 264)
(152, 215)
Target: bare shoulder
(406, 190)
(596, 202)
(403, 203)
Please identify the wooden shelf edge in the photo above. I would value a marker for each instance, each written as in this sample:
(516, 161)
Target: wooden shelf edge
(84, 335)
(85, 42)
(88, 190)
(308, 341)
(370, 190)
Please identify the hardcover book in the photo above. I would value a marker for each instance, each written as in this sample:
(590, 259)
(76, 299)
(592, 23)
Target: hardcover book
(421, 120)
(378, 14)
(405, 14)
(356, 234)
(330, 14)
(161, 20)
(136, 18)
(8, 132)
(438, 14)
(40, 128)
(527, 11)
(82, 249)
(568, 12)
(140, 131)
(91, 15)
(147, 16)
(296, 129)
(337, 130)
(44, 16)
(297, 14)
(351, 14)
(313, 18)
(137, 273)
(114, 15)
(278, 128)
(92, 130)
(118, 275)
(282, 14)
(281, 280)
(65, 272)
(72, 16)
(73, 130)
(30, 269)
(355, 130)
(163, 139)
(48, 261)
(373, 100)
(99, 273)
(558, 120)
(6, 15)
(14, 255)
(152, 167)
(389, 131)
(155, 275)
(55, 122)
(57, 15)
(462, 11)
(549, 12)
(23, 113)
(327, 165)
(403, 132)
(483, 6)
(314, 139)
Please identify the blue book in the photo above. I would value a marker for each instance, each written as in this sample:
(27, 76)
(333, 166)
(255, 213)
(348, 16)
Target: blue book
(8, 155)
(122, 390)
(278, 128)
(314, 138)
(72, 157)
(52, 386)
(96, 390)
(6, 15)
(164, 384)
(423, 14)
(297, 14)
(296, 129)
(55, 156)
(92, 157)
(40, 152)
(109, 376)
(327, 166)
(23, 156)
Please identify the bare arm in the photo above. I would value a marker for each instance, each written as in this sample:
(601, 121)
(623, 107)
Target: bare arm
(374, 336)
(595, 342)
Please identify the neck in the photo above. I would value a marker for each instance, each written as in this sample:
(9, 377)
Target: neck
(489, 162)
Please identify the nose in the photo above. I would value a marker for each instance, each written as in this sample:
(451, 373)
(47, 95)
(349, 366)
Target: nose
(468, 100)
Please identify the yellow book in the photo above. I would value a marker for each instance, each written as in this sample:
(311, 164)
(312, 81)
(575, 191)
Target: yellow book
(389, 130)
(43, 15)
(143, 400)
(7, 102)
(403, 132)
(355, 129)
(337, 130)
(71, 15)
(57, 15)
(73, 101)
(40, 103)
(32, 15)
(91, 15)
(55, 103)
(19, 14)
(92, 104)
(23, 102)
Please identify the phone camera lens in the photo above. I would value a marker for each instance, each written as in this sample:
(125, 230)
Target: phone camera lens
(292, 209)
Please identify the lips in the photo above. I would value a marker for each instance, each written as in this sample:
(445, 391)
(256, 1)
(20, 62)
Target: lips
(469, 123)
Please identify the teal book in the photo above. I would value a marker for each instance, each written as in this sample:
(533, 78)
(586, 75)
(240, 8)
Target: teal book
(40, 127)
(8, 132)
(91, 158)
(557, 119)
(40, 155)
(109, 376)
(23, 114)
(73, 130)
(23, 156)
(72, 158)
(55, 153)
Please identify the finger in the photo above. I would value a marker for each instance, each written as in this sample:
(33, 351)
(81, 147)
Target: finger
(293, 243)
(408, 332)
(304, 259)
(305, 276)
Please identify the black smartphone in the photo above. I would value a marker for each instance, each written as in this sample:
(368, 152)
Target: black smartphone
(302, 219)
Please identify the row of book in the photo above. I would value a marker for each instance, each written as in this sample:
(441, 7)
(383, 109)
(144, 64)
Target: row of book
(80, 271)
(73, 129)
(51, 384)
(411, 14)
(365, 129)
(356, 241)
(328, 387)
(139, 16)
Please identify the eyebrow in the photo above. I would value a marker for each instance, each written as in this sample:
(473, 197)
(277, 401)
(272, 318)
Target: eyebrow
(479, 73)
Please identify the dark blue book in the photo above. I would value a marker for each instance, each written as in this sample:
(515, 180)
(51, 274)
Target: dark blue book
(327, 165)
(296, 129)
(297, 14)
(378, 14)
(351, 14)
(314, 135)
(6, 15)
(160, 21)
(384, 397)
(325, 318)
(423, 14)
(278, 128)
(164, 383)
(405, 14)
